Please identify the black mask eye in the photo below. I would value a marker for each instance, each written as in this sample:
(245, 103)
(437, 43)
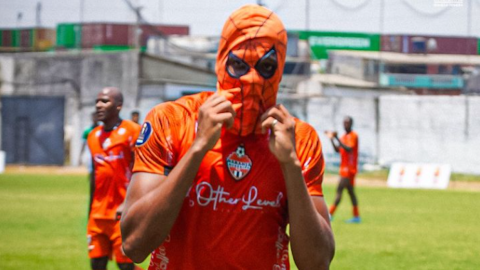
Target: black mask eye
(267, 65)
(236, 67)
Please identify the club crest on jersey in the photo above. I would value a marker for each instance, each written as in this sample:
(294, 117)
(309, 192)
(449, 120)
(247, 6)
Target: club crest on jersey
(144, 134)
(238, 163)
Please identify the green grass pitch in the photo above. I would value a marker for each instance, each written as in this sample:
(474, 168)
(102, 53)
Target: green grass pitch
(43, 220)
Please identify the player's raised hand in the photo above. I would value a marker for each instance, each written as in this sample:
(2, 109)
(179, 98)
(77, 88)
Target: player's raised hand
(217, 111)
(331, 134)
(282, 137)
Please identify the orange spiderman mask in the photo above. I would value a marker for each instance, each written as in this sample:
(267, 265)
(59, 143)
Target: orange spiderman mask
(251, 56)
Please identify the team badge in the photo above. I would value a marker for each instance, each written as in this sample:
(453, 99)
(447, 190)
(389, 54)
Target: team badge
(144, 134)
(238, 163)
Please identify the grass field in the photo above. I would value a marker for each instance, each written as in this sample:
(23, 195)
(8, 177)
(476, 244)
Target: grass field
(383, 175)
(43, 219)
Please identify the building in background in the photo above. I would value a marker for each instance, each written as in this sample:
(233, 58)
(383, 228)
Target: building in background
(96, 36)
(27, 39)
(327, 73)
(425, 74)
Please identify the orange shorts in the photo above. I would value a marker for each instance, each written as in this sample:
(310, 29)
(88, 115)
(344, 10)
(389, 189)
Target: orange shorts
(349, 176)
(345, 172)
(352, 179)
(104, 239)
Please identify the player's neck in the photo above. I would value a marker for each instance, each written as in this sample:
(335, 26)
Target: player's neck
(112, 124)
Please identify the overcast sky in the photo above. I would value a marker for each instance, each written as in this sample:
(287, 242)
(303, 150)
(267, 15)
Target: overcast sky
(206, 17)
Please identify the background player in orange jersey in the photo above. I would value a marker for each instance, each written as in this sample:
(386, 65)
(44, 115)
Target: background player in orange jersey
(219, 176)
(347, 146)
(135, 116)
(111, 146)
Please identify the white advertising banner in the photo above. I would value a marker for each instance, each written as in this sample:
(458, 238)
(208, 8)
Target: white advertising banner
(411, 175)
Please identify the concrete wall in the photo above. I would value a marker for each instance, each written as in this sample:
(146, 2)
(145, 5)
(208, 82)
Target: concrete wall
(421, 129)
(328, 114)
(431, 129)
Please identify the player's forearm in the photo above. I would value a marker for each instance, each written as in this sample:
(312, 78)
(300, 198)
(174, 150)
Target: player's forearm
(344, 146)
(348, 149)
(311, 236)
(335, 147)
(148, 221)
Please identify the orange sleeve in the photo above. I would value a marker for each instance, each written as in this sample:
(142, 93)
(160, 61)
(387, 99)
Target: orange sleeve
(154, 150)
(166, 134)
(309, 152)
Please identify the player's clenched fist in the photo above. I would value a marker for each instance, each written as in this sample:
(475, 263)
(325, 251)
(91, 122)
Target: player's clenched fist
(217, 111)
(331, 134)
(282, 136)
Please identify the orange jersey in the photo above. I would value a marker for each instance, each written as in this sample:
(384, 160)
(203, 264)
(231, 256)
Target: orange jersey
(235, 214)
(348, 163)
(112, 154)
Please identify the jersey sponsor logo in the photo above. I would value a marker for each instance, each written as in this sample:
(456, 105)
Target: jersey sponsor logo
(160, 259)
(216, 197)
(282, 250)
(144, 134)
(238, 163)
(99, 158)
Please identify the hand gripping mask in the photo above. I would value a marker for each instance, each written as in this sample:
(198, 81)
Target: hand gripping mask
(251, 56)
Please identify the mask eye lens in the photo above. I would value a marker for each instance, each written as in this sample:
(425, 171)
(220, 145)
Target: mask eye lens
(267, 65)
(236, 67)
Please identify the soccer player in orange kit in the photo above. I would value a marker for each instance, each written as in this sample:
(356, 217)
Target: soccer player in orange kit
(111, 146)
(218, 176)
(347, 146)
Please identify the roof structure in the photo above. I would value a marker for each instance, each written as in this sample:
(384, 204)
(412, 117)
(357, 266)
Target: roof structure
(402, 58)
